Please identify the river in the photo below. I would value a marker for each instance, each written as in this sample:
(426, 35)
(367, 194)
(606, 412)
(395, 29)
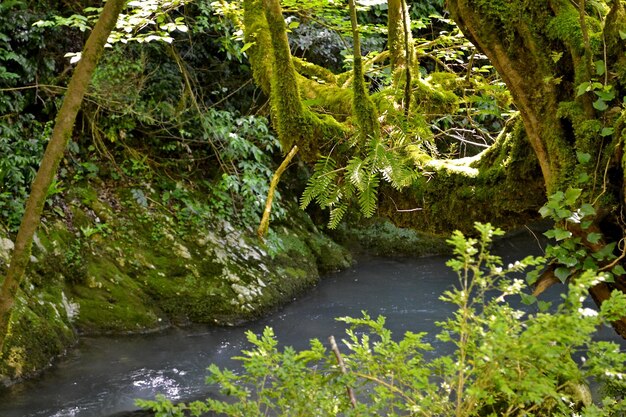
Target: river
(104, 375)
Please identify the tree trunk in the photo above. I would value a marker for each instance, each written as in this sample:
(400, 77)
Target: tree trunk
(61, 135)
(547, 53)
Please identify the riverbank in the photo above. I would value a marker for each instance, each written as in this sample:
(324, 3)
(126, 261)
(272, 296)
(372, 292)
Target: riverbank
(107, 262)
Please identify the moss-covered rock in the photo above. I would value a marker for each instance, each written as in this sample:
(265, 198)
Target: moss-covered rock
(113, 264)
(380, 237)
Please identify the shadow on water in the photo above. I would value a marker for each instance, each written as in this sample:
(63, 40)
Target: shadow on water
(104, 375)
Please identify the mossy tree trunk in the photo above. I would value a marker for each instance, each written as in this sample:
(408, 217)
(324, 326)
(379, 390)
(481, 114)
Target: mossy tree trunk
(61, 135)
(564, 65)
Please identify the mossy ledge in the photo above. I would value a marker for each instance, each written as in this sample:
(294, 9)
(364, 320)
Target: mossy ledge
(105, 263)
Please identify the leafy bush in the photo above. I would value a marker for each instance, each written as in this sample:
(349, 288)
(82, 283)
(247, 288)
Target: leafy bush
(24, 59)
(506, 362)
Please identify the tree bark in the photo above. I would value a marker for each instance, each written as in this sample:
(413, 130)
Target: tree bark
(61, 135)
(544, 52)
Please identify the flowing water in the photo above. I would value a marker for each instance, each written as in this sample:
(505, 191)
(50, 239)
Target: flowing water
(104, 375)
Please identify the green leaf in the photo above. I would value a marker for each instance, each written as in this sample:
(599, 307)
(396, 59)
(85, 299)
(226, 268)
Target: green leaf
(600, 67)
(528, 299)
(618, 270)
(600, 105)
(606, 95)
(607, 131)
(583, 157)
(544, 306)
(545, 211)
(587, 209)
(560, 234)
(582, 88)
(605, 253)
(571, 195)
(594, 237)
(622, 34)
(562, 273)
(246, 46)
(583, 178)
(590, 264)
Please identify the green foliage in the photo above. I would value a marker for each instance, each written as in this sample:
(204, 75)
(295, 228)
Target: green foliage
(570, 250)
(333, 187)
(246, 148)
(506, 362)
(23, 126)
(144, 21)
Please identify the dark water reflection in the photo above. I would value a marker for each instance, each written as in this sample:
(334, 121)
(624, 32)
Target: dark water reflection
(104, 375)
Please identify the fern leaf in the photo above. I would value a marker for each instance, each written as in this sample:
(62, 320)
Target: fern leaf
(336, 214)
(356, 172)
(320, 183)
(368, 197)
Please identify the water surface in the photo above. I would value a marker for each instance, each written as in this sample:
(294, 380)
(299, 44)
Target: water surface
(104, 375)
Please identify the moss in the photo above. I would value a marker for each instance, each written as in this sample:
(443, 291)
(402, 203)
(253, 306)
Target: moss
(450, 199)
(328, 99)
(111, 302)
(315, 72)
(565, 26)
(257, 34)
(38, 332)
(381, 237)
(433, 98)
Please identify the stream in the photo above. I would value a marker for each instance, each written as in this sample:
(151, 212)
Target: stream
(104, 375)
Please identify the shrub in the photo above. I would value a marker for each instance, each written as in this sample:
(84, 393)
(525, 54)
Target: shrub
(506, 361)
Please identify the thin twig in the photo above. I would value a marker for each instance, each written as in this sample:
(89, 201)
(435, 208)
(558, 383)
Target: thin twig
(404, 210)
(342, 366)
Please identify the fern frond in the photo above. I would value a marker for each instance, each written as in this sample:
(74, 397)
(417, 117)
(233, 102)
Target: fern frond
(378, 153)
(336, 214)
(396, 172)
(368, 196)
(356, 172)
(320, 183)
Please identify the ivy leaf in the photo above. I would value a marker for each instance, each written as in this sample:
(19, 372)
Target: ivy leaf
(583, 178)
(618, 270)
(605, 253)
(600, 105)
(528, 299)
(600, 67)
(587, 209)
(606, 94)
(582, 88)
(571, 195)
(562, 273)
(544, 306)
(594, 237)
(607, 131)
(558, 234)
(583, 157)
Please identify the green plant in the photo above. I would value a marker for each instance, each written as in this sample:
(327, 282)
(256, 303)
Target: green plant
(246, 150)
(334, 187)
(506, 361)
